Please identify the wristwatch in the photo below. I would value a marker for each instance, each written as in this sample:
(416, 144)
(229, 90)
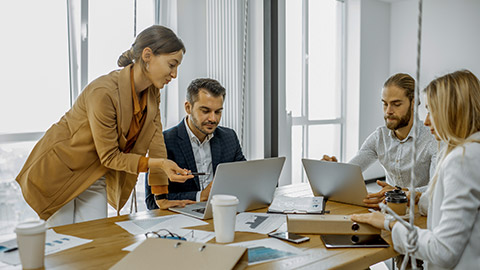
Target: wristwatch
(386, 223)
(161, 196)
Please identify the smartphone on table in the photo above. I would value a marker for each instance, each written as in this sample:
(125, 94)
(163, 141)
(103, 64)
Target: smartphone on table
(291, 237)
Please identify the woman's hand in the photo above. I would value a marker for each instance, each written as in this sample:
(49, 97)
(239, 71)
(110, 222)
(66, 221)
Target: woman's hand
(174, 173)
(376, 219)
(165, 204)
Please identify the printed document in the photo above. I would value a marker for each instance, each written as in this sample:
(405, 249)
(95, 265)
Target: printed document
(54, 242)
(258, 222)
(190, 235)
(170, 222)
(297, 205)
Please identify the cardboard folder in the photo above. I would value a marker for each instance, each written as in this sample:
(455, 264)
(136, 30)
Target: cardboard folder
(328, 224)
(158, 253)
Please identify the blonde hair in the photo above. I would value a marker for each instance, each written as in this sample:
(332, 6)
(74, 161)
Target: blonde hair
(454, 105)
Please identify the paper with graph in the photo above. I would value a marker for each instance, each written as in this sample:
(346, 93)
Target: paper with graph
(258, 222)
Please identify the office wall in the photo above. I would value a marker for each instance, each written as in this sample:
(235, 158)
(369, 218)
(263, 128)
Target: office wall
(192, 25)
(374, 63)
(450, 37)
(374, 69)
(192, 28)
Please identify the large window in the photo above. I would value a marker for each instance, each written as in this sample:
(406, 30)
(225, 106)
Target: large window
(111, 31)
(50, 52)
(34, 80)
(35, 90)
(314, 89)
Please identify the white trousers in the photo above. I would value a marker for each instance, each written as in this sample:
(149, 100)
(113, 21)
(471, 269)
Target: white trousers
(89, 205)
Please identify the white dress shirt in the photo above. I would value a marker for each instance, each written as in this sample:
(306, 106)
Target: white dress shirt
(396, 156)
(452, 240)
(203, 158)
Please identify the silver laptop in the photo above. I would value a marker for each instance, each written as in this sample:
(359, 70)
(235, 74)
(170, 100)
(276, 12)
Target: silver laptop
(341, 182)
(253, 182)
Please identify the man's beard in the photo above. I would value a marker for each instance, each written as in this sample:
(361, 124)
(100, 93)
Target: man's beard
(199, 127)
(401, 122)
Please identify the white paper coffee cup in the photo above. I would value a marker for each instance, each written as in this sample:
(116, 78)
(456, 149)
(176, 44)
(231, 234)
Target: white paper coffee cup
(31, 243)
(224, 209)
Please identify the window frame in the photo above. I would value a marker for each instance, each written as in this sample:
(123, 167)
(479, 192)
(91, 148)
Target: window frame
(304, 120)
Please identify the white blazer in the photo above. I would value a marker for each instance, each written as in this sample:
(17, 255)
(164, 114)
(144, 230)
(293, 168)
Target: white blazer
(452, 240)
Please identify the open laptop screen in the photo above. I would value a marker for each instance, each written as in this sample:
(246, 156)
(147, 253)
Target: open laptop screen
(342, 182)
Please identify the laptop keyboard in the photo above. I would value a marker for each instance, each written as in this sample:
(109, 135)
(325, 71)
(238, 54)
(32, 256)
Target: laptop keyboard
(199, 210)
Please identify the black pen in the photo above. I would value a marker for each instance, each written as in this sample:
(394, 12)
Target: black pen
(196, 173)
(199, 173)
(10, 249)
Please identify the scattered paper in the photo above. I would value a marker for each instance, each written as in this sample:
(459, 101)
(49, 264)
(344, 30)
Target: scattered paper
(195, 235)
(269, 249)
(133, 246)
(297, 205)
(12, 243)
(10, 267)
(258, 222)
(190, 235)
(54, 242)
(170, 222)
(173, 223)
(283, 228)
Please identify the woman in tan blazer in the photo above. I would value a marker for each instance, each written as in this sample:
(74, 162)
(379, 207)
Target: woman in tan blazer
(99, 146)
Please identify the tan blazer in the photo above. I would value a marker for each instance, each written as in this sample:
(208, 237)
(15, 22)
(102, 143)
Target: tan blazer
(87, 143)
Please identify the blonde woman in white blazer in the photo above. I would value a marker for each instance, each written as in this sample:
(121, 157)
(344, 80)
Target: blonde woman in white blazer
(452, 237)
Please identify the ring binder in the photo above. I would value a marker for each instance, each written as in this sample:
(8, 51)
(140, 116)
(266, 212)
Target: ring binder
(171, 253)
(328, 224)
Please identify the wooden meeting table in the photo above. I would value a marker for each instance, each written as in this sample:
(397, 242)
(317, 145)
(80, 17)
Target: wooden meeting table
(109, 239)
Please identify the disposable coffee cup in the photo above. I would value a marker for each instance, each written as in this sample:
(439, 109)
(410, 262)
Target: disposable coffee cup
(31, 243)
(224, 209)
(398, 204)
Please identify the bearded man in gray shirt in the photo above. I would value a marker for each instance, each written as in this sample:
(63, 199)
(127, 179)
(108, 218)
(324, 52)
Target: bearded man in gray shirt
(392, 144)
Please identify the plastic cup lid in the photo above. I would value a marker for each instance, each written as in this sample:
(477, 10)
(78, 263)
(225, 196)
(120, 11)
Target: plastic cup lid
(225, 200)
(397, 199)
(395, 192)
(31, 227)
